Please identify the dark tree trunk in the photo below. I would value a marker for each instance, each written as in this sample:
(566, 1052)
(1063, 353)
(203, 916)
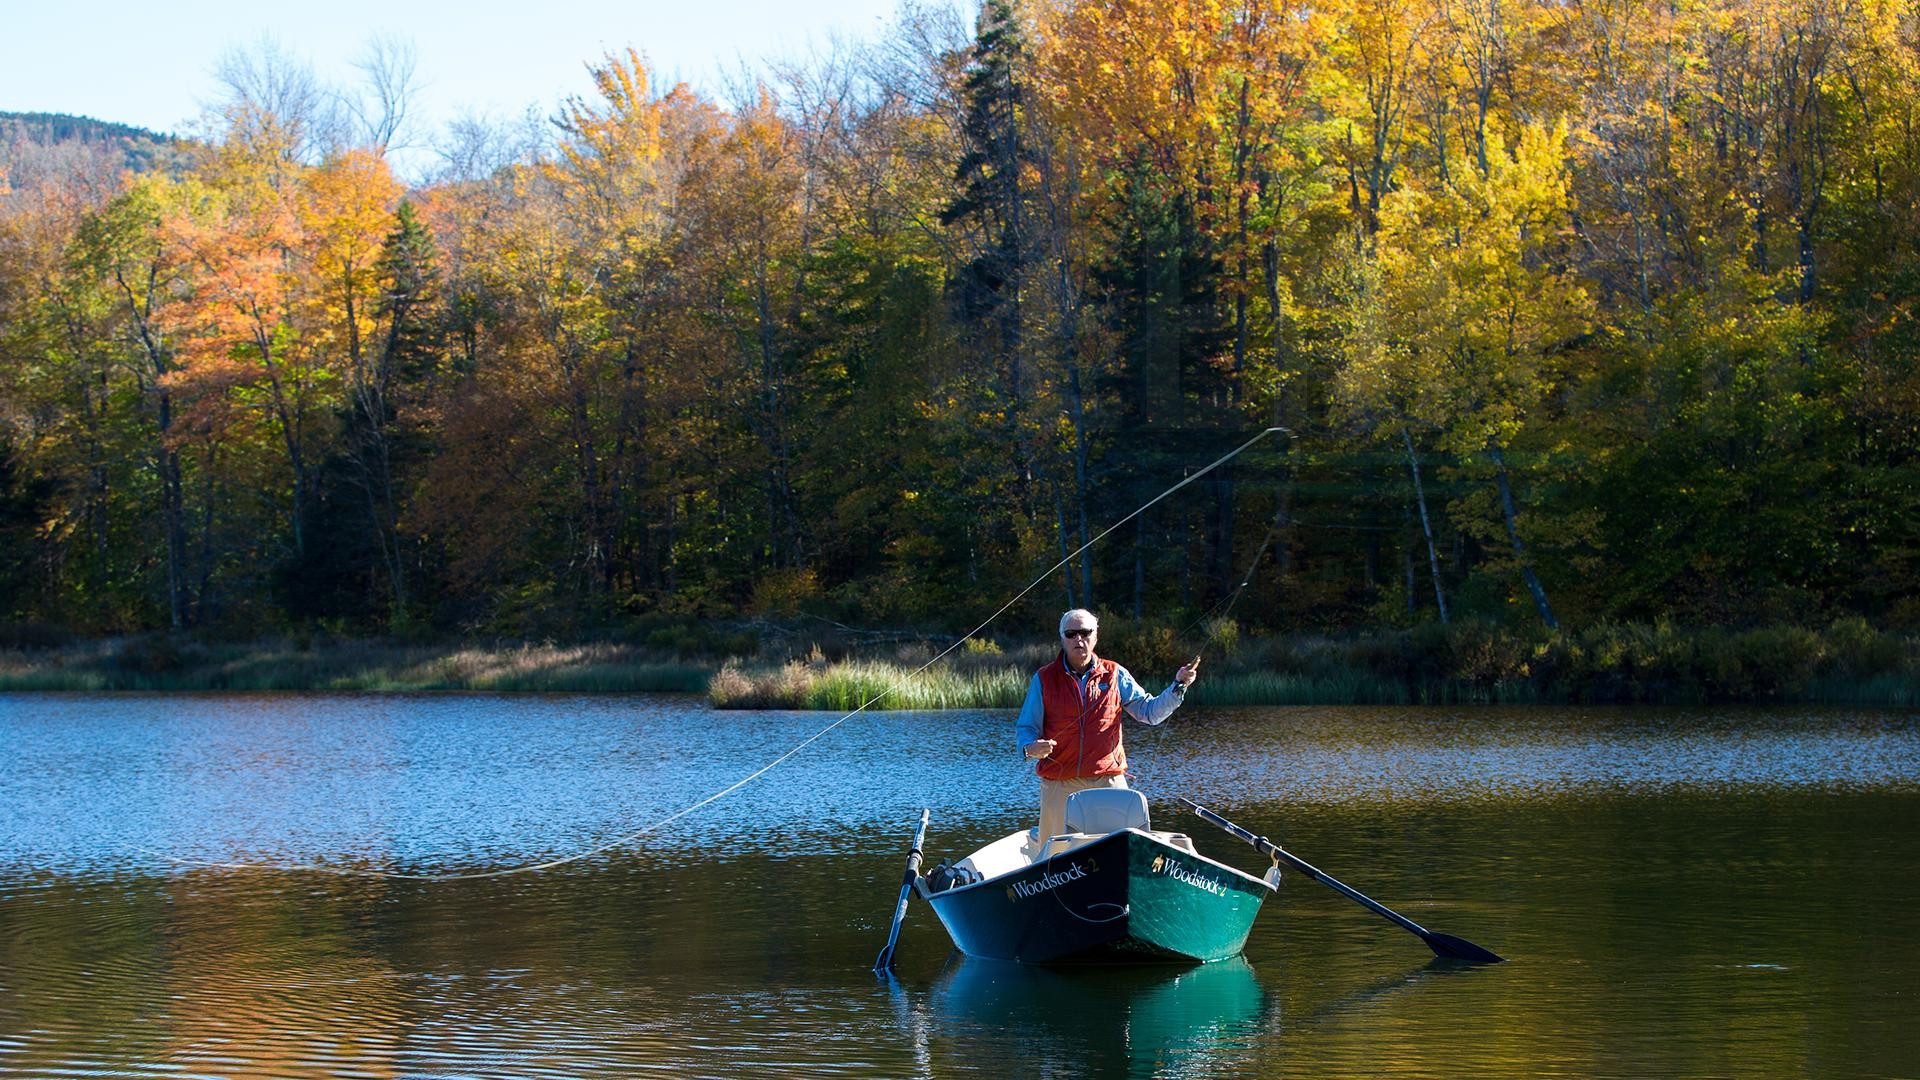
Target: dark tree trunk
(1426, 525)
(1080, 482)
(166, 459)
(1507, 511)
(1066, 547)
(1139, 566)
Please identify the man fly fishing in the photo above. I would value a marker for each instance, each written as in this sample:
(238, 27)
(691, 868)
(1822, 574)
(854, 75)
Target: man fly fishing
(1070, 723)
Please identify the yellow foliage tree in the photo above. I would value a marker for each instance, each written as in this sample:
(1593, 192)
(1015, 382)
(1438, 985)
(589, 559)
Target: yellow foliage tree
(1467, 305)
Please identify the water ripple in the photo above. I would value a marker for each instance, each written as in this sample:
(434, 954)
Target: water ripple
(1664, 878)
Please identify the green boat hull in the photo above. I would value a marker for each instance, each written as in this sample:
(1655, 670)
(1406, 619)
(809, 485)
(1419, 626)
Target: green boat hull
(1129, 896)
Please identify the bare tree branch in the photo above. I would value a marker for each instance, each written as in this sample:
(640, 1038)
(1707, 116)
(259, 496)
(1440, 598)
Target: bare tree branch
(390, 66)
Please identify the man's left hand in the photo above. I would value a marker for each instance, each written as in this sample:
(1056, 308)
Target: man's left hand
(1188, 672)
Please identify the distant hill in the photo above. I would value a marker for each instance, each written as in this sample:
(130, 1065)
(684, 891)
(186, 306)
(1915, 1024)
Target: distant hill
(50, 147)
(49, 128)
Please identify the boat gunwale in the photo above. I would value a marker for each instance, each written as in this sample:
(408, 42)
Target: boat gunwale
(931, 896)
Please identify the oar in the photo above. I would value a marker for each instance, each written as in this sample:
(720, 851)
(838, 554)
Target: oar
(884, 963)
(1445, 945)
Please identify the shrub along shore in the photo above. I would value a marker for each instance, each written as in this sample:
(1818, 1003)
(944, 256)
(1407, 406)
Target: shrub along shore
(767, 667)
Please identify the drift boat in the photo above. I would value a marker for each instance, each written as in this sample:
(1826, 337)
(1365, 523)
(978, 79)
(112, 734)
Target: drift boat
(1109, 889)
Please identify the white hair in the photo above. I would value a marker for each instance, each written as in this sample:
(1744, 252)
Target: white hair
(1086, 616)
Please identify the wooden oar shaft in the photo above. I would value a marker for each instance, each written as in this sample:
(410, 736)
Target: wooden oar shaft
(884, 962)
(1312, 871)
(1442, 944)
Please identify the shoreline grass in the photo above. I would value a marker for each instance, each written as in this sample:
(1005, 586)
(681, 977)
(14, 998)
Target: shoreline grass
(157, 665)
(846, 686)
(1467, 663)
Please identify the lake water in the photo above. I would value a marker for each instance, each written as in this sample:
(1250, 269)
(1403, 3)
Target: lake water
(1681, 893)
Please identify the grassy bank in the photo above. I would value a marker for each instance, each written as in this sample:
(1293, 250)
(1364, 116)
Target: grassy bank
(1845, 663)
(782, 668)
(155, 664)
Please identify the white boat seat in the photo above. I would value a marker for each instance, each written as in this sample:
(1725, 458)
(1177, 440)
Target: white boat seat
(1104, 810)
(1065, 842)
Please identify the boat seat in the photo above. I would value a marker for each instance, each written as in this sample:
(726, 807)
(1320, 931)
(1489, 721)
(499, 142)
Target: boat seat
(1065, 842)
(1104, 810)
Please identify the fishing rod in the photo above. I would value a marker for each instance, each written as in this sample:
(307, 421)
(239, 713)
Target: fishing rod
(1222, 608)
(1245, 578)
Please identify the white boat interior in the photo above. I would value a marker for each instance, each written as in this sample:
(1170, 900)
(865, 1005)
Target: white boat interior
(1091, 815)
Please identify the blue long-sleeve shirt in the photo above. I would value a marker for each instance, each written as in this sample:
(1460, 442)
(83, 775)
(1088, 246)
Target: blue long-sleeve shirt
(1147, 708)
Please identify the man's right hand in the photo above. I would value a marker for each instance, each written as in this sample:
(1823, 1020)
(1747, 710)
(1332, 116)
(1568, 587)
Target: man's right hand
(1040, 748)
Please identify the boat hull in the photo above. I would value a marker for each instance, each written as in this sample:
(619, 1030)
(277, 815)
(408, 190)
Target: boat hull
(1126, 897)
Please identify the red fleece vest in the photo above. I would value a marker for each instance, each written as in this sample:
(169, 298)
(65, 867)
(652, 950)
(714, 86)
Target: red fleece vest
(1087, 728)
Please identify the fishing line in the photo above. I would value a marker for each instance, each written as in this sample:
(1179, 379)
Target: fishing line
(1229, 601)
(394, 875)
(1220, 610)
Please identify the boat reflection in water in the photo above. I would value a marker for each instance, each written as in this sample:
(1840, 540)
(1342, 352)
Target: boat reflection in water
(1106, 1020)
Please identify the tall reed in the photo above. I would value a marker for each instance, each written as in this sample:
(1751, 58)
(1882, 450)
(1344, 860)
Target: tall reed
(877, 684)
(888, 686)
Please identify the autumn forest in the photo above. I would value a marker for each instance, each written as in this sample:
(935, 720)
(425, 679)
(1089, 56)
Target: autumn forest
(1584, 312)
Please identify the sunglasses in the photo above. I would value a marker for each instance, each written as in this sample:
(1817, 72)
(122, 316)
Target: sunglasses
(1083, 632)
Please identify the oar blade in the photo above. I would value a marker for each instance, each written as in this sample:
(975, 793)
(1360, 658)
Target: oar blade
(1452, 948)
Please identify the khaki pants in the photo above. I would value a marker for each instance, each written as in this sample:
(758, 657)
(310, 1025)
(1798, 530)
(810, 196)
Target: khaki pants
(1053, 800)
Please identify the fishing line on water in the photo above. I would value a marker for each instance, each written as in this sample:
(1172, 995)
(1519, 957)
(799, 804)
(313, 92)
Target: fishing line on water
(396, 875)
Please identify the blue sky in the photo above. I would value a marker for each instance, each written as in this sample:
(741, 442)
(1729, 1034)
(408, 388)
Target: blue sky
(150, 63)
